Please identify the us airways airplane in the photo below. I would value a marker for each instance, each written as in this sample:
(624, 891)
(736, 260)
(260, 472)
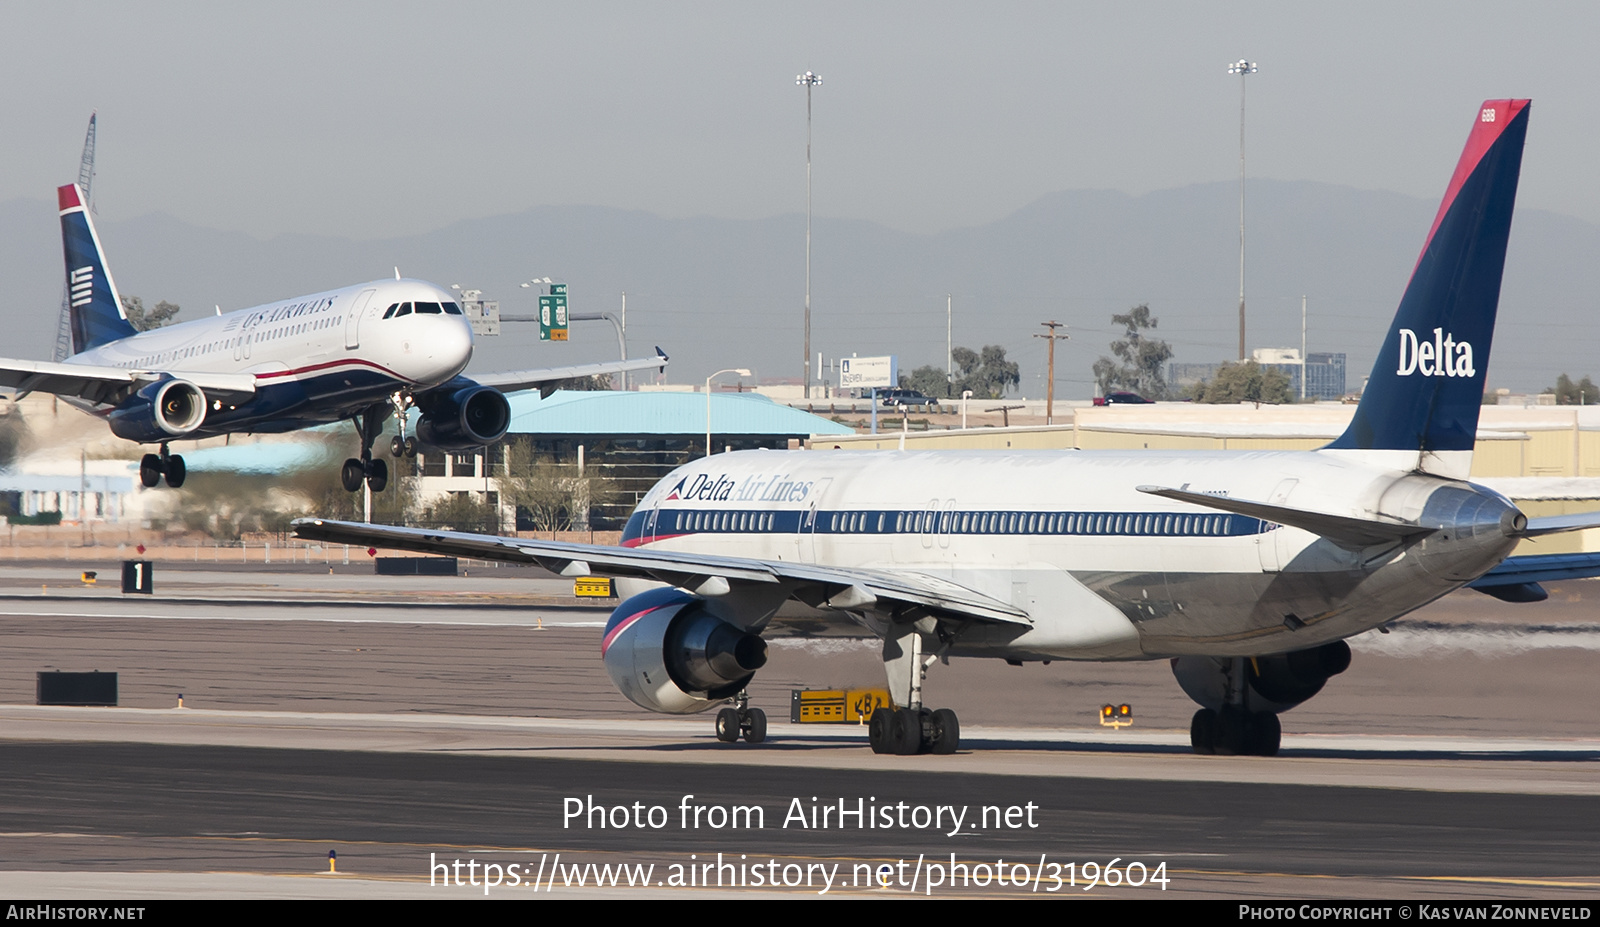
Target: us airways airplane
(1247, 570)
(360, 353)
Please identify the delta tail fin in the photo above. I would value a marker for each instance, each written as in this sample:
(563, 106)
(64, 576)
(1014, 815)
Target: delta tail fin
(95, 305)
(1420, 407)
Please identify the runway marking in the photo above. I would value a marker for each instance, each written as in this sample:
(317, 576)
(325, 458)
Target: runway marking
(1505, 880)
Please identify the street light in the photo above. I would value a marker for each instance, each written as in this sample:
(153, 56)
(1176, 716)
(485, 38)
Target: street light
(1241, 68)
(741, 372)
(808, 80)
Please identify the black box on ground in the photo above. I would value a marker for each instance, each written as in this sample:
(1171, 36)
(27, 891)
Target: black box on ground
(77, 689)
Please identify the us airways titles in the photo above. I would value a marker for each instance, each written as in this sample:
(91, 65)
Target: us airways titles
(754, 488)
(1444, 356)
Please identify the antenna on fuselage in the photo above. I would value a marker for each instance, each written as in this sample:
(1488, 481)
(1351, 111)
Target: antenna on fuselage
(397, 273)
(85, 182)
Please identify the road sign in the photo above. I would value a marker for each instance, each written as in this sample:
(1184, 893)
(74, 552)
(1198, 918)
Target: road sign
(868, 372)
(553, 314)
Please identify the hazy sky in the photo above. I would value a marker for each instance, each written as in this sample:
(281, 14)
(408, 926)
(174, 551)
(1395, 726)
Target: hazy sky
(371, 120)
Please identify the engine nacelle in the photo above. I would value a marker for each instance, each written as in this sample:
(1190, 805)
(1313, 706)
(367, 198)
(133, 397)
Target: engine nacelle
(462, 414)
(1276, 683)
(666, 652)
(161, 411)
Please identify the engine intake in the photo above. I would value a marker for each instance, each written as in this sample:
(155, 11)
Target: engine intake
(160, 411)
(666, 652)
(462, 414)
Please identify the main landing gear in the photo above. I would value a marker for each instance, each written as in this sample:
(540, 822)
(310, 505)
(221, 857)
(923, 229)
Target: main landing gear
(914, 729)
(373, 470)
(1234, 731)
(153, 466)
(741, 721)
(909, 731)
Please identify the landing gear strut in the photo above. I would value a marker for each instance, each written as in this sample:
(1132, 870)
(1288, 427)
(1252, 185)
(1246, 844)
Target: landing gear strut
(914, 729)
(741, 720)
(400, 445)
(376, 473)
(153, 466)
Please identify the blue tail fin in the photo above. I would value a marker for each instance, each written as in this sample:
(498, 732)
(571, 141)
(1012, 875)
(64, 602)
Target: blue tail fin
(1427, 384)
(97, 316)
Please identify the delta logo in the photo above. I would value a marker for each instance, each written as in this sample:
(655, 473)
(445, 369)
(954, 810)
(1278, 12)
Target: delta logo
(1444, 356)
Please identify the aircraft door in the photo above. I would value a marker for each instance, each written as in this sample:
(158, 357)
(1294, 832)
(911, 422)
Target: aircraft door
(947, 523)
(806, 536)
(352, 322)
(930, 523)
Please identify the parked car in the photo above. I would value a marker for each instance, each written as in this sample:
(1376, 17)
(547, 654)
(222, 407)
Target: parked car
(1121, 398)
(895, 397)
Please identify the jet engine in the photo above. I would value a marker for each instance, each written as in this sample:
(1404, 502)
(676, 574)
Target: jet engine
(163, 410)
(1276, 683)
(462, 414)
(666, 652)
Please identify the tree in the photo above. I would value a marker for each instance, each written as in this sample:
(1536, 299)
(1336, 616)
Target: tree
(1246, 382)
(554, 497)
(987, 374)
(1141, 362)
(927, 380)
(143, 319)
(1568, 393)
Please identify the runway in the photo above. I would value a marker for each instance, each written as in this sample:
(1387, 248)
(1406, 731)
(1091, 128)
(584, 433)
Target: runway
(1458, 758)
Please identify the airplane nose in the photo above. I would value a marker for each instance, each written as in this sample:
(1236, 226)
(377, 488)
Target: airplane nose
(449, 344)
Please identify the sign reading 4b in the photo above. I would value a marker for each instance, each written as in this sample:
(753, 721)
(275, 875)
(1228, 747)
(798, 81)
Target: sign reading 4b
(553, 314)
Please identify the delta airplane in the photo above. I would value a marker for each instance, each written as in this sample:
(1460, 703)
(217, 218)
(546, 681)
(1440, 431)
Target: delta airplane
(1248, 570)
(360, 353)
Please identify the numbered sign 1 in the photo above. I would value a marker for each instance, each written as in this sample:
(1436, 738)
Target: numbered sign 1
(137, 577)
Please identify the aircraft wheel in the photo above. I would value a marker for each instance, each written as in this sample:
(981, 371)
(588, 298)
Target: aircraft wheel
(397, 447)
(1233, 732)
(149, 470)
(351, 475)
(176, 471)
(878, 730)
(946, 732)
(1266, 734)
(757, 730)
(377, 474)
(728, 725)
(1203, 732)
(411, 447)
(905, 732)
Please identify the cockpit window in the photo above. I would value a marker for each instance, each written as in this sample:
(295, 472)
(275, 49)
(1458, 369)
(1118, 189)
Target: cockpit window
(450, 308)
(429, 309)
(389, 314)
(405, 309)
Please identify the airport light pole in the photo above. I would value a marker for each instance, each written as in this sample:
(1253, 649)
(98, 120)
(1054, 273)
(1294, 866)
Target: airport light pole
(807, 80)
(741, 371)
(1241, 68)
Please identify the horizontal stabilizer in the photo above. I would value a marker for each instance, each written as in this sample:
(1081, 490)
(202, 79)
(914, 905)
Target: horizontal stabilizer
(1539, 568)
(1559, 524)
(1349, 533)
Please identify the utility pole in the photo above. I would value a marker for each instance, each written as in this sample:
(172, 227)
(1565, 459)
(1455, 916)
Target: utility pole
(1241, 68)
(807, 80)
(949, 348)
(1050, 381)
(1303, 347)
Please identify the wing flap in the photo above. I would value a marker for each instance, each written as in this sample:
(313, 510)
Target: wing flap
(110, 385)
(1349, 533)
(825, 586)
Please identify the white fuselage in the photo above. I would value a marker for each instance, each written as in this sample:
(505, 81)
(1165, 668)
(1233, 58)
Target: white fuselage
(314, 358)
(1102, 569)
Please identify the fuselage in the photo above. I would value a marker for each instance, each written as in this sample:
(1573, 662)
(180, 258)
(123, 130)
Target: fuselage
(315, 359)
(1063, 534)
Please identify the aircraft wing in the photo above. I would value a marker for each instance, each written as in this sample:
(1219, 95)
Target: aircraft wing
(545, 380)
(843, 588)
(111, 385)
